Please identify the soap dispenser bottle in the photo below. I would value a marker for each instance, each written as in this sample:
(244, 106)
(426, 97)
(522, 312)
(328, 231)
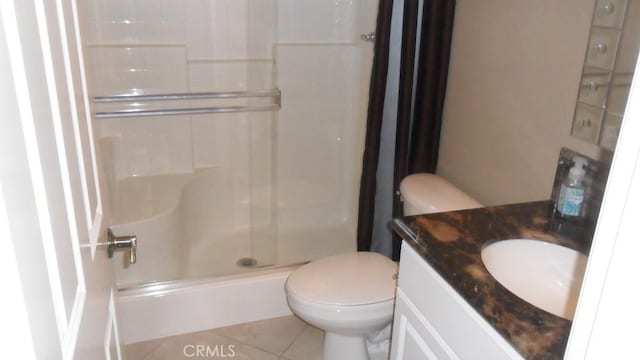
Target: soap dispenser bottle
(570, 204)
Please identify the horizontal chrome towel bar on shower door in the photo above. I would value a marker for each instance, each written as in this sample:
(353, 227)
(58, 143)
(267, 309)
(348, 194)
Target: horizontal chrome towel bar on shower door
(274, 93)
(188, 96)
(195, 111)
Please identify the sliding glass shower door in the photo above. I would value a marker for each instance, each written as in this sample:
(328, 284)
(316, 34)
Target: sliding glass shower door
(323, 70)
(242, 186)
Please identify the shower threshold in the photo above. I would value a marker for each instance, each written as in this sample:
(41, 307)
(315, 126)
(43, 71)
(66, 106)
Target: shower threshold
(164, 286)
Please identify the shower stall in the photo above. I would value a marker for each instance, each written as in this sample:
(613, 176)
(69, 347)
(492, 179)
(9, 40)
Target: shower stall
(231, 131)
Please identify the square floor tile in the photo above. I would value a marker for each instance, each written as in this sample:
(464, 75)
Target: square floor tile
(273, 335)
(307, 346)
(205, 344)
(288, 337)
(140, 350)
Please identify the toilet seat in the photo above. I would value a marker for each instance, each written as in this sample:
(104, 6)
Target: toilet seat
(344, 280)
(350, 319)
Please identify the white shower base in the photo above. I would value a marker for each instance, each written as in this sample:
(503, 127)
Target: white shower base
(148, 313)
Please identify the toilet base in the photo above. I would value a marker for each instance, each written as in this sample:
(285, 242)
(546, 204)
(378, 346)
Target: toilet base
(339, 347)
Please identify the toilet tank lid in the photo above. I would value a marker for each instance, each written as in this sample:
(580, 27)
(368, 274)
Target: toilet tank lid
(430, 193)
(355, 278)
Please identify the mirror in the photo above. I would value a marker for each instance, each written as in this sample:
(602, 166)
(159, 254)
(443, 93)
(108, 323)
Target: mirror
(610, 59)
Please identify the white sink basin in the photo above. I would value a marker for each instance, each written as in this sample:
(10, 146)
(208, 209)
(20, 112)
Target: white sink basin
(545, 275)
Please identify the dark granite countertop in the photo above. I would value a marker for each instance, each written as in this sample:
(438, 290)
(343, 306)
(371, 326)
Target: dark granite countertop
(451, 243)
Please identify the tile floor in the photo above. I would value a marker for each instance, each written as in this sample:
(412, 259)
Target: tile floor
(284, 338)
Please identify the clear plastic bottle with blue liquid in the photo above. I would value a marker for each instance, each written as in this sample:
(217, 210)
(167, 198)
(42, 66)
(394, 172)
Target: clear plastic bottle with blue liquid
(571, 200)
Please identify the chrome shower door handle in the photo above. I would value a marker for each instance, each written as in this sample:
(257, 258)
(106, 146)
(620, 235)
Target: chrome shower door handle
(122, 242)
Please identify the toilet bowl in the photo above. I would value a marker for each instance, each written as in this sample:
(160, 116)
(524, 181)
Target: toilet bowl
(351, 296)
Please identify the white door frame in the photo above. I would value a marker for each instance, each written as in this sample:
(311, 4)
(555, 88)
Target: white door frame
(605, 325)
(61, 288)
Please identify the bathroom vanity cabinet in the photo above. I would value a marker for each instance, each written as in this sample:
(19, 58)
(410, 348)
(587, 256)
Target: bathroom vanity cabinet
(432, 321)
(448, 305)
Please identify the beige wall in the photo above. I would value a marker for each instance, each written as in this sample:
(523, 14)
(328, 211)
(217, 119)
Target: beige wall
(513, 82)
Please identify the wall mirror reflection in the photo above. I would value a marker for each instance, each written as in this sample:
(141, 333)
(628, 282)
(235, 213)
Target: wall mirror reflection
(610, 58)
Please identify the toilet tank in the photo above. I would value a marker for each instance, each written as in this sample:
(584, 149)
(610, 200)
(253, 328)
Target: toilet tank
(429, 193)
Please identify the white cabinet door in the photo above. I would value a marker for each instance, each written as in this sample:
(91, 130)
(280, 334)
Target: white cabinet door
(413, 336)
(50, 208)
(433, 321)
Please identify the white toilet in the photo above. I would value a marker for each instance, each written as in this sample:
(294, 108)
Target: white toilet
(351, 296)
(429, 193)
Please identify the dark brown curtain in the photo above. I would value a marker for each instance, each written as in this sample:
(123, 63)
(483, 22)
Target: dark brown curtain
(424, 67)
(374, 123)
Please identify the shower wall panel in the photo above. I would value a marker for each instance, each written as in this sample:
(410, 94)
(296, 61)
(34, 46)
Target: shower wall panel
(316, 21)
